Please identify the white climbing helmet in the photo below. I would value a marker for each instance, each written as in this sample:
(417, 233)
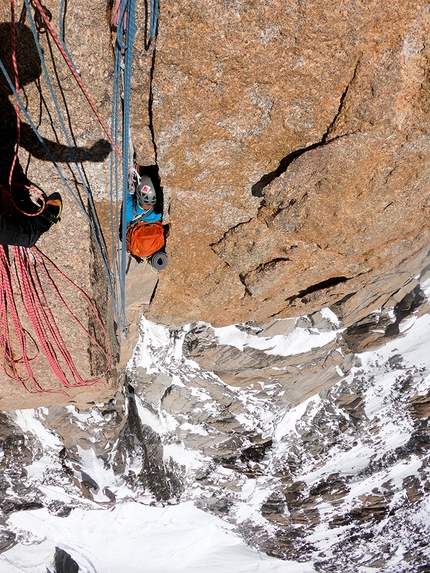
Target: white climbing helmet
(145, 192)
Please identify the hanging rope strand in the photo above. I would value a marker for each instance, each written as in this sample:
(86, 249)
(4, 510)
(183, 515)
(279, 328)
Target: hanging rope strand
(115, 197)
(153, 20)
(74, 72)
(16, 82)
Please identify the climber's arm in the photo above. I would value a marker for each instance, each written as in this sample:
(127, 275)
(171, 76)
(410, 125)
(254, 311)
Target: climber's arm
(129, 211)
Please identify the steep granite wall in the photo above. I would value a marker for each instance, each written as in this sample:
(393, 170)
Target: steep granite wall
(291, 143)
(291, 140)
(70, 245)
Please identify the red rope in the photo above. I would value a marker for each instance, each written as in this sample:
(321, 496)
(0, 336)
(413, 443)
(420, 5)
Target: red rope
(48, 319)
(75, 74)
(116, 13)
(15, 341)
(17, 344)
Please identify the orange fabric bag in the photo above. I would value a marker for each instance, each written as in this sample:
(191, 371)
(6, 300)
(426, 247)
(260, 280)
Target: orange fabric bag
(145, 239)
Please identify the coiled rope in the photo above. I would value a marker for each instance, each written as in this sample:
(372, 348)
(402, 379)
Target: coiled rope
(24, 279)
(24, 275)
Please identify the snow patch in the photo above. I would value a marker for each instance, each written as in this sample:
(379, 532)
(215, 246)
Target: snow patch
(132, 537)
(297, 342)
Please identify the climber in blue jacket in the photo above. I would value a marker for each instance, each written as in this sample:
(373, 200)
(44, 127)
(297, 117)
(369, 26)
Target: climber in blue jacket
(144, 232)
(139, 206)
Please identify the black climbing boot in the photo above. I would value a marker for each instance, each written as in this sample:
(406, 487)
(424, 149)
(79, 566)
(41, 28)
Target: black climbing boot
(53, 208)
(51, 213)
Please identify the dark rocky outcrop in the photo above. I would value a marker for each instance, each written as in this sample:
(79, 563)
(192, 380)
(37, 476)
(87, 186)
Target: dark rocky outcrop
(64, 563)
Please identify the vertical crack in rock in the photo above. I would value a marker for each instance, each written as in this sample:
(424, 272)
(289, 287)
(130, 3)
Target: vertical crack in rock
(153, 292)
(257, 188)
(153, 170)
(150, 104)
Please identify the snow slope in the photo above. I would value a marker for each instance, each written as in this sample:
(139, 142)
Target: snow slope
(134, 538)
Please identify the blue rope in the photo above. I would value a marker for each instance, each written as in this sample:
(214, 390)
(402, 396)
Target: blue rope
(153, 19)
(115, 193)
(130, 33)
(121, 123)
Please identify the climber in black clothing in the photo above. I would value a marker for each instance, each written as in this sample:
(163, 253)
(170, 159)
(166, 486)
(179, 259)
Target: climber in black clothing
(24, 231)
(16, 199)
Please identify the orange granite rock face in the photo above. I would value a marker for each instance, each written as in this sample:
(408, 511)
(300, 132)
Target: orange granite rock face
(291, 141)
(292, 144)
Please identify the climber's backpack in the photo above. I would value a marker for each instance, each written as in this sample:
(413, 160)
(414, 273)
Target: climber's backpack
(144, 239)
